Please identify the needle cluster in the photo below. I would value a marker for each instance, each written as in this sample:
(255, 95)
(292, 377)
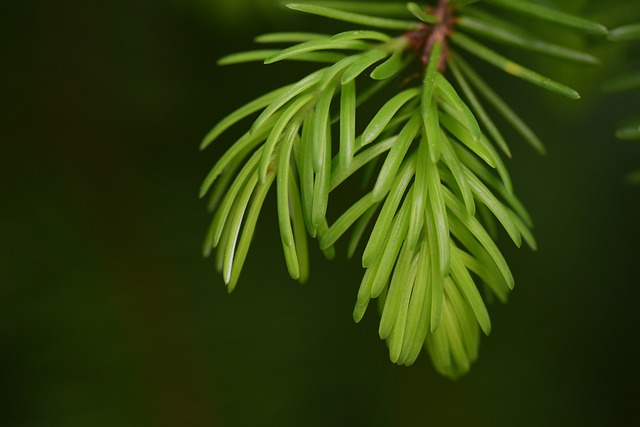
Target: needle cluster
(432, 159)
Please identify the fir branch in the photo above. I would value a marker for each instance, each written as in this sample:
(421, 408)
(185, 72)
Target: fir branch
(435, 182)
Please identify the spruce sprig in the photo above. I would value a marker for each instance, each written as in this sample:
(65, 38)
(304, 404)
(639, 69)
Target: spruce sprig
(437, 181)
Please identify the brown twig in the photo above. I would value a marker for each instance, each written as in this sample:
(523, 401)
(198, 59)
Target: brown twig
(423, 39)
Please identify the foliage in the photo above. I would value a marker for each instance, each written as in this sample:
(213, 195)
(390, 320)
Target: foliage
(431, 158)
(630, 131)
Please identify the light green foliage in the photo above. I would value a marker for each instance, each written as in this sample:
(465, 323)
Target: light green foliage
(435, 180)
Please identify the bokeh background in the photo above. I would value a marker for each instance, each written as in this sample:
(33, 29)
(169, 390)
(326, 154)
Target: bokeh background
(109, 316)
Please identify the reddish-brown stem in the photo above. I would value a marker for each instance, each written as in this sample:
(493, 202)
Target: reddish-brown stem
(423, 39)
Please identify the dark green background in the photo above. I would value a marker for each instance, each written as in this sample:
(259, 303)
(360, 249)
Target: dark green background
(109, 315)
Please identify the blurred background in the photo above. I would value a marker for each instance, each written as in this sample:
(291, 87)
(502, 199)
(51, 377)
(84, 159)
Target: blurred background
(109, 315)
